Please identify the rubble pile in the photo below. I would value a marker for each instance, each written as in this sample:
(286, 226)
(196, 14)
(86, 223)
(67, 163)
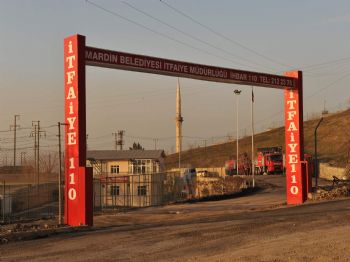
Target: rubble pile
(16, 231)
(331, 192)
(213, 186)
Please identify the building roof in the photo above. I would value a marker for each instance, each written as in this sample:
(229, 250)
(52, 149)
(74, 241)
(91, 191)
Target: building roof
(124, 154)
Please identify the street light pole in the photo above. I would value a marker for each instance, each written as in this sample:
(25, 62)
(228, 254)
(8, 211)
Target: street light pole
(14, 139)
(252, 120)
(316, 160)
(237, 93)
(59, 124)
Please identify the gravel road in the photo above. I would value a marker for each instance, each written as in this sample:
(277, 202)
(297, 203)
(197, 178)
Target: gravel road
(258, 227)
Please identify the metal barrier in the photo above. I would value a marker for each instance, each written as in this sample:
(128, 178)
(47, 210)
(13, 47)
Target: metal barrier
(23, 202)
(19, 202)
(134, 190)
(142, 190)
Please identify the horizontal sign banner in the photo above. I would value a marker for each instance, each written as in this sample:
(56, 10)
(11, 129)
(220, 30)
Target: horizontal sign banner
(155, 65)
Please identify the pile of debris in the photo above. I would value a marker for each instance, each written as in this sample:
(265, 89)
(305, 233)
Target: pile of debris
(21, 231)
(331, 192)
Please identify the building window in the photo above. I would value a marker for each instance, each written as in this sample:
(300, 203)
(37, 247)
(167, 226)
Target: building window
(141, 191)
(114, 190)
(141, 166)
(156, 167)
(115, 169)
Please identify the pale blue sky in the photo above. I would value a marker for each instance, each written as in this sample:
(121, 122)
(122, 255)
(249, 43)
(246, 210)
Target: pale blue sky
(295, 33)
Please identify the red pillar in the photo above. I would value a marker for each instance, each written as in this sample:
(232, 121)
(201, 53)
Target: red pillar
(78, 178)
(294, 137)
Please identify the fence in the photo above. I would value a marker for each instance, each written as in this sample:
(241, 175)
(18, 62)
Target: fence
(24, 201)
(134, 190)
(141, 190)
(19, 202)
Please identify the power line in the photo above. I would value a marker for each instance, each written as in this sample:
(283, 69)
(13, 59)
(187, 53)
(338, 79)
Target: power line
(191, 35)
(159, 33)
(328, 86)
(336, 61)
(222, 35)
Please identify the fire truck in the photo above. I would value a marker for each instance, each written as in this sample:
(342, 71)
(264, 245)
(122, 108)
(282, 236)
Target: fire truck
(269, 160)
(244, 166)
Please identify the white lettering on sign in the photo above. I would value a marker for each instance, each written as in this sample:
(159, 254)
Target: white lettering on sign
(293, 158)
(292, 147)
(294, 190)
(70, 47)
(291, 104)
(71, 112)
(292, 127)
(70, 59)
(108, 58)
(71, 163)
(291, 94)
(72, 194)
(71, 93)
(72, 138)
(292, 139)
(70, 76)
(292, 143)
(71, 119)
(71, 181)
(291, 114)
(293, 170)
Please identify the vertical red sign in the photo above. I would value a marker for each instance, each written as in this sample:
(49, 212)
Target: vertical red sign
(294, 142)
(78, 178)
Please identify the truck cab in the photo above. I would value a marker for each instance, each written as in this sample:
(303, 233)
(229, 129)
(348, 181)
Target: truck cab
(269, 160)
(274, 163)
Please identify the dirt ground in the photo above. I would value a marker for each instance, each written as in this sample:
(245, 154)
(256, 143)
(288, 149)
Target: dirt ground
(258, 227)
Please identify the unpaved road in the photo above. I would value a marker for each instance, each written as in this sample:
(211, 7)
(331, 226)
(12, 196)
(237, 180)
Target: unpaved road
(259, 227)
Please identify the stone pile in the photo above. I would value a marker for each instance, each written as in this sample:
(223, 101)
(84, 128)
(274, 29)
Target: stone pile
(330, 193)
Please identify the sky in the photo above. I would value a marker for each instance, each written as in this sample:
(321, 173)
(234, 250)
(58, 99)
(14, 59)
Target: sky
(271, 36)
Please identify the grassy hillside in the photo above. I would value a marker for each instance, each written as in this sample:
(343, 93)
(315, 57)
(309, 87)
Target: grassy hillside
(333, 144)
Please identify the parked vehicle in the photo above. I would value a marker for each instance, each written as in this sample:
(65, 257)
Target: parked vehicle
(269, 160)
(231, 168)
(244, 166)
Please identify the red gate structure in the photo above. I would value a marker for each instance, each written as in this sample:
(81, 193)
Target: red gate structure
(78, 177)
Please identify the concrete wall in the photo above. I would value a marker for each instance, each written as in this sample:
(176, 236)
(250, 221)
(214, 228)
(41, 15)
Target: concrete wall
(220, 171)
(327, 171)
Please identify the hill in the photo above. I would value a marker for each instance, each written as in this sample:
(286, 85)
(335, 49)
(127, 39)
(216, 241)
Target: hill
(333, 138)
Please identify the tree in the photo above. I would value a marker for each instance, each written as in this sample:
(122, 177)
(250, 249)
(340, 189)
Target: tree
(136, 146)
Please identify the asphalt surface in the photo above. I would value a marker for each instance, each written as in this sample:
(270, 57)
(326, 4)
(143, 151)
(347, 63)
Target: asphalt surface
(256, 227)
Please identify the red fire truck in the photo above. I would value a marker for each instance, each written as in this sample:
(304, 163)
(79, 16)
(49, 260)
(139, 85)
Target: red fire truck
(269, 160)
(244, 166)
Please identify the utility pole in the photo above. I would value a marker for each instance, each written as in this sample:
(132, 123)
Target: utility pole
(37, 135)
(59, 124)
(86, 141)
(237, 93)
(179, 119)
(316, 160)
(23, 158)
(252, 120)
(34, 134)
(115, 140)
(155, 143)
(14, 126)
(119, 139)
